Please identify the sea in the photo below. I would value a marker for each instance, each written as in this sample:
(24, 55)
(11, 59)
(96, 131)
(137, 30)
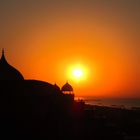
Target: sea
(112, 102)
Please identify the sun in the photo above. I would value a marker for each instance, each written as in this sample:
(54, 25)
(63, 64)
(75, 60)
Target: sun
(77, 73)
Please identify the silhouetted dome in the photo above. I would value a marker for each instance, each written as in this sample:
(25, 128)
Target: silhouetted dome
(67, 87)
(7, 72)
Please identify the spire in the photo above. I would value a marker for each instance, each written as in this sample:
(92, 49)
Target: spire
(3, 60)
(2, 51)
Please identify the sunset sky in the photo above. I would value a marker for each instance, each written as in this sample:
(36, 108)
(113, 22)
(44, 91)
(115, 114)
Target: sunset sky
(46, 39)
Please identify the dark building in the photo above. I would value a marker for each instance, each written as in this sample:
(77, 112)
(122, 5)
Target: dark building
(30, 107)
(33, 109)
(13, 82)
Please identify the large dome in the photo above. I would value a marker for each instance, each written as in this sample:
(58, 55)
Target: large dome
(7, 72)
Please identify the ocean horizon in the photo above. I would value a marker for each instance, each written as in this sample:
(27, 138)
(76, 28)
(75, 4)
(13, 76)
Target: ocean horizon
(111, 102)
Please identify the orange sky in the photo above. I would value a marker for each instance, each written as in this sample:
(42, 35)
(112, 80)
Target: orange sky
(44, 39)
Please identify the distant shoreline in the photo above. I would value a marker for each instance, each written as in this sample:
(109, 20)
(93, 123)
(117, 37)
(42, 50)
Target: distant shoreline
(128, 103)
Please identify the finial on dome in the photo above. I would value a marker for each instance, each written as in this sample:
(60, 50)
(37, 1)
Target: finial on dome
(2, 51)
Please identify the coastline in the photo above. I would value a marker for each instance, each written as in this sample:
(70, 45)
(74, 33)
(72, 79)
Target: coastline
(127, 103)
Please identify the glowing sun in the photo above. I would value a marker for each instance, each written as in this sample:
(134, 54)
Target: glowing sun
(78, 73)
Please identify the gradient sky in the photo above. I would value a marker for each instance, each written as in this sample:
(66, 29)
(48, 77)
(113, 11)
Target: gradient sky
(43, 38)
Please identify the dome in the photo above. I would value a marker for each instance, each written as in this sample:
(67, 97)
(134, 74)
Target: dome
(67, 87)
(7, 72)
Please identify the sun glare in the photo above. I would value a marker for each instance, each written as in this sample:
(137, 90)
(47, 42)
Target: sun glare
(77, 73)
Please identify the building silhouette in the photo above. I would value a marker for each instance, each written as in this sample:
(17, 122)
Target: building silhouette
(12, 81)
(26, 105)
(33, 109)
